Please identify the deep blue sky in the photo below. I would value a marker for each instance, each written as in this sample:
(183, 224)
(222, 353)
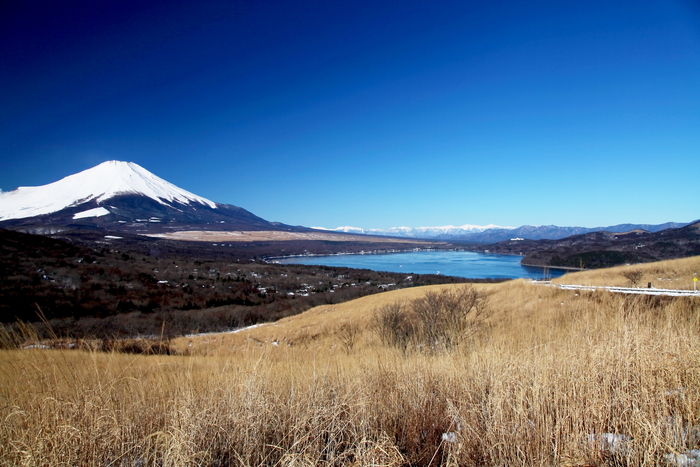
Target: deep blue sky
(371, 114)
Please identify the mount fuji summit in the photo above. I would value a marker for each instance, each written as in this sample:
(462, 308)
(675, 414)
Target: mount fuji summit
(120, 196)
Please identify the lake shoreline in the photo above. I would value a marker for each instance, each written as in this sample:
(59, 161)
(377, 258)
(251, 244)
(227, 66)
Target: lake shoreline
(458, 262)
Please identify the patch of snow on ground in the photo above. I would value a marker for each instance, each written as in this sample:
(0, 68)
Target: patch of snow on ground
(97, 212)
(229, 332)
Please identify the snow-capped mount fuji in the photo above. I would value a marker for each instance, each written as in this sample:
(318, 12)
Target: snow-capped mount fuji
(122, 196)
(101, 183)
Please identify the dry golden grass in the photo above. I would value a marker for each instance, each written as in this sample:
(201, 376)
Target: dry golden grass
(322, 327)
(553, 376)
(671, 274)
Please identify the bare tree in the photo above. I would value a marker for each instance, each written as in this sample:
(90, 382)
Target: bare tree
(450, 316)
(435, 322)
(633, 275)
(396, 325)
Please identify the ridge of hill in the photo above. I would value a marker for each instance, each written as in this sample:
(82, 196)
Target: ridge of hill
(604, 249)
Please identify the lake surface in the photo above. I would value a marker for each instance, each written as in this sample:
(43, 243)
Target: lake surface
(449, 263)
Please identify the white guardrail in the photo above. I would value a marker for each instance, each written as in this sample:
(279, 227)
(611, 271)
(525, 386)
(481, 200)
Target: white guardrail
(629, 290)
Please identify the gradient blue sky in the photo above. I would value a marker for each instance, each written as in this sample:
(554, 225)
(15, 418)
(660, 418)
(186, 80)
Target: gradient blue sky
(371, 114)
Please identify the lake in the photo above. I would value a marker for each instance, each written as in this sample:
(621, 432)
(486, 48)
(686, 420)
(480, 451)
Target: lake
(449, 263)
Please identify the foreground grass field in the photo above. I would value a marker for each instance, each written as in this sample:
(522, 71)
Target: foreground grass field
(551, 377)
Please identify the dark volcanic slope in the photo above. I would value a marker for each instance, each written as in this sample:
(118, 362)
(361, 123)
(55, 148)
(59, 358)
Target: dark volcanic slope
(604, 249)
(140, 214)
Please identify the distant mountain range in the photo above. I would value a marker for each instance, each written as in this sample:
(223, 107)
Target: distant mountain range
(121, 196)
(604, 248)
(441, 233)
(493, 233)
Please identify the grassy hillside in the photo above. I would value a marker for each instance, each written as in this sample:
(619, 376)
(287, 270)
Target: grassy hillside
(549, 377)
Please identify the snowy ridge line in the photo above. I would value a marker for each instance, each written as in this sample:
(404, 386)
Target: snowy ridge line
(628, 290)
(449, 230)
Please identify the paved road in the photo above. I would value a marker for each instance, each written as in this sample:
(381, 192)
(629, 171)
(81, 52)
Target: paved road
(627, 290)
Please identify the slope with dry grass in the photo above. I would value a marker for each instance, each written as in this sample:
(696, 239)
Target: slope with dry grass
(553, 378)
(670, 274)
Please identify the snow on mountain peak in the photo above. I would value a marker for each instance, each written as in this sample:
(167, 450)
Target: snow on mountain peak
(100, 183)
(421, 232)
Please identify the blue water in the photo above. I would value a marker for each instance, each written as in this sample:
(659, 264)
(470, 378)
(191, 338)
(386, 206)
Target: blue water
(449, 263)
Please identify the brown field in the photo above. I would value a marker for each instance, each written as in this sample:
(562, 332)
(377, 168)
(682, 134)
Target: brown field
(670, 274)
(549, 378)
(267, 236)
